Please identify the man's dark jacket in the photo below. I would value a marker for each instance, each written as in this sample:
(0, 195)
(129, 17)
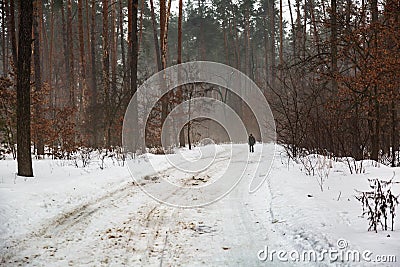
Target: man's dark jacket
(252, 140)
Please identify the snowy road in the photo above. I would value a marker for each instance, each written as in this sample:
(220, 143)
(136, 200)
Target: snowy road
(127, 227)
(70, 216)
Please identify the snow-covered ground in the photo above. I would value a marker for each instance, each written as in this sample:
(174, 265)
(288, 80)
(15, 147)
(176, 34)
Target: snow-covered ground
(100, 217)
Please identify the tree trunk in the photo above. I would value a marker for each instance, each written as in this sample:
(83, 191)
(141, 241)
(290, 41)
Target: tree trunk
(164, 16)
(23, 89)
(66, 50)
(87, 41)
(201, 41)
(304, 37)
(334, 45)
(266, 45)
(93, 97)
(188, 135)
(315, 29)
(164, 35)
(235, 39)
(298, 34)
(106, 78)
(114, 38)
(162, 25)
(133, 67)
(141, 25)
(156, 44)
(293, 28)
(395, 145)
(134, 46)
(38, 78)
(226, 47)
(70, 45)
(3, 36)
(129, 52)
(248, 60)
(122, 39)
(44, 49)
(189, 123)
(82, 84)
(50, 81)
(179, 61)
(12, 33)
(272, 41)
(6, 34)
(374, 99)
(280, 36)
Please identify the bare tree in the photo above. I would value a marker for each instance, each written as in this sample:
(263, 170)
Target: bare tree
(38, 74)
(106, 74)
(334, 44)
(179, 61)
(24, 89)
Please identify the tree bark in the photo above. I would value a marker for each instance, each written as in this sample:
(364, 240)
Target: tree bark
(70, 46)
(82, 84)
(44, 49)
(155, 36)
(280, 36)
(271, 9)
(141, 25)
(266, 45)
(134, 66)
(315, 29)
(66, 51)
(50, 58)
(226, 47)
(93, 96)
(87, 41)
(395, 145)
(134, 46)
(38, 77)
(132, 63)
(334, 45)
(162, 27)
(164, 16)
(179, 61)
(235, 38)
(12, 33)
(304, 37)
(375, 137)
(23, 89)
(293, 28)
(106, 74)
(3, 36)
(164, 41)
(122, 39)
(298, 34)
(114, 38)
(248, 45)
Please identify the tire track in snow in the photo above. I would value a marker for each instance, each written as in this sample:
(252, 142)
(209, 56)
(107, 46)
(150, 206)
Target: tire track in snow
(61, 224)
(67, 230)
(235, 234)
(171, 213)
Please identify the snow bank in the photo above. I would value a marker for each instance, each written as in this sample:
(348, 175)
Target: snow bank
(316, 219)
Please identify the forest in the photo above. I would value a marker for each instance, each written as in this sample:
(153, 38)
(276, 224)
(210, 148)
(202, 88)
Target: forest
(330, 70)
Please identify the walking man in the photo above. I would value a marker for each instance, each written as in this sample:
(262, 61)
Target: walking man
(252, 141)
